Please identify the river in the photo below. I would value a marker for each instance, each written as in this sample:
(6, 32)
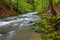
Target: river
(19, 27)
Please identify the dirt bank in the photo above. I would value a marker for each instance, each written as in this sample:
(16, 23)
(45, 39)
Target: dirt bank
(5, 11)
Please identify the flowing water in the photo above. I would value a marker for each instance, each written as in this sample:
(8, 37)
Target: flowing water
(19, 27)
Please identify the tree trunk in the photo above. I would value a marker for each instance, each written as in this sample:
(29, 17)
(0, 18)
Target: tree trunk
(52, 9)
(54, 15)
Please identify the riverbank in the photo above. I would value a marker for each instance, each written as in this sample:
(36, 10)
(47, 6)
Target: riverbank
(6, 11)
(46, 23)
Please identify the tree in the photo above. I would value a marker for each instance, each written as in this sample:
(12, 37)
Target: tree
(55, 21)
(52, 9)
(11, 4)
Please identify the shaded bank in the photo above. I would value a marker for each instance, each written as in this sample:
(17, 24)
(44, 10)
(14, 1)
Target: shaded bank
(5, 11)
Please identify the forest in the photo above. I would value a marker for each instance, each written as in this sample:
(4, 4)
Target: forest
(48, 11)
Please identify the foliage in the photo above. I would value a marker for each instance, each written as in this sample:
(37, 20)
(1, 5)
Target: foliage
(46, 24)
(56, 1)
(41, 5)
(25, 6)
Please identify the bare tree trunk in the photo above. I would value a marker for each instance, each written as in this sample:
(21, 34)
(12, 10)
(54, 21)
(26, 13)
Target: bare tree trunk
(17, 6)
(11, 5)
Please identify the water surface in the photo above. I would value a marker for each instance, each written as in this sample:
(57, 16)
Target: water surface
(19, 27)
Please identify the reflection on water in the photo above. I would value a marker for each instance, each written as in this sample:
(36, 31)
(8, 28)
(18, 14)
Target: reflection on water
(18, 27)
